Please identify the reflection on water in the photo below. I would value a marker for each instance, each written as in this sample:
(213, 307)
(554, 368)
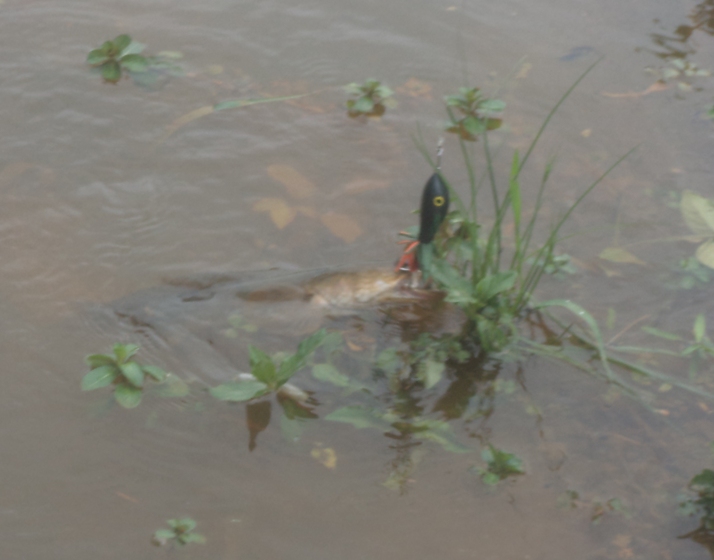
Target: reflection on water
(680, 43)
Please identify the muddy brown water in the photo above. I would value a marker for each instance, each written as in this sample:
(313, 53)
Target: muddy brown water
(99, 204)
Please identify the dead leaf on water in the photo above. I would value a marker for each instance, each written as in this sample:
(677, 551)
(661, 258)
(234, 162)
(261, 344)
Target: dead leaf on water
(297, 185)
(326, 456)
(342, 226)
(657, 86)
(620, 255)
(280, 212)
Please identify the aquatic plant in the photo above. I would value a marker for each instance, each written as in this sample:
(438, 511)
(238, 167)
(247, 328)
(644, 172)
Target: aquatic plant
(499, 465)
(181, 531)
(372, 97)
(268, 374)
(123, 54)
(698, 213)
(475, 113)
(468, 261)
(127, 376)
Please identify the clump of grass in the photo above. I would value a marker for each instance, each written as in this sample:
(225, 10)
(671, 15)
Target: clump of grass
(467, 260)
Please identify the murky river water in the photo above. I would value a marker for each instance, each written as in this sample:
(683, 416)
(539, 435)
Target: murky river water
(99, 202)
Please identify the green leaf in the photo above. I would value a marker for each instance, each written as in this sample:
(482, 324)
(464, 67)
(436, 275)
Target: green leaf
(97, 57)
(106, 48)
(361, 417)
(101, 376)
(363, 105)
(514, 191)
(661, 334)
(193, 538)
(705, 253)
(134, 63)
(698, 213)
(132, 48)
(474, 126)
(127, 395)
(262, 366)
(111, 71)
(493, 284)
(133, 373)
(704, 479)
(156, 372)
(491, 106)
(96, 360)
(389, 360)
(164, 534)
(297, 361)
(121, 42)
(700, 328)
(239, 391)
(186, 524)
(430, 372)
(125, 351)
(459, 288)
(329, 373)
(383, 91)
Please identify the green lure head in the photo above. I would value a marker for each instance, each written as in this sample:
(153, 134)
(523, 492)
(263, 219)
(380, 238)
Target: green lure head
(434, 207)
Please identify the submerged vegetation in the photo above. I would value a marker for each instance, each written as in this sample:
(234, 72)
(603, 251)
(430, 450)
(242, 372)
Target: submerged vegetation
(180, 531)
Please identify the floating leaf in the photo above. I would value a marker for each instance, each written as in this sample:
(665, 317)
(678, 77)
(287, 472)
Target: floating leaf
(619, 255)
(342, 226)
(97, 57)
(121, 42)
(127, 395)
(156, 372)
(239, 391)
(698, 213)
(705, 253)
(279, 211)
(101, 376)
(297, 185)
(96, 360)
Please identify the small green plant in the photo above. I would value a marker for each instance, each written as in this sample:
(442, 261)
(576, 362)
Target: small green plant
(702, 504)
(372, 98)
(499, 465)
(181, 531)
(269, 374)
(127, 376)
(475, 113)
(490, 279)
(120, 54)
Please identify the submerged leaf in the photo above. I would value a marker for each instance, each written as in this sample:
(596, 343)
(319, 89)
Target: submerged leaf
(620, 255)
(342, 226)
(698, 213)
(111, 71)
(361, 417)
(280, 213)
(297, 185)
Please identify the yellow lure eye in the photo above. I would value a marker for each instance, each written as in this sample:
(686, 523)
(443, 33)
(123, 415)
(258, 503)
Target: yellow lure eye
(438, 201)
